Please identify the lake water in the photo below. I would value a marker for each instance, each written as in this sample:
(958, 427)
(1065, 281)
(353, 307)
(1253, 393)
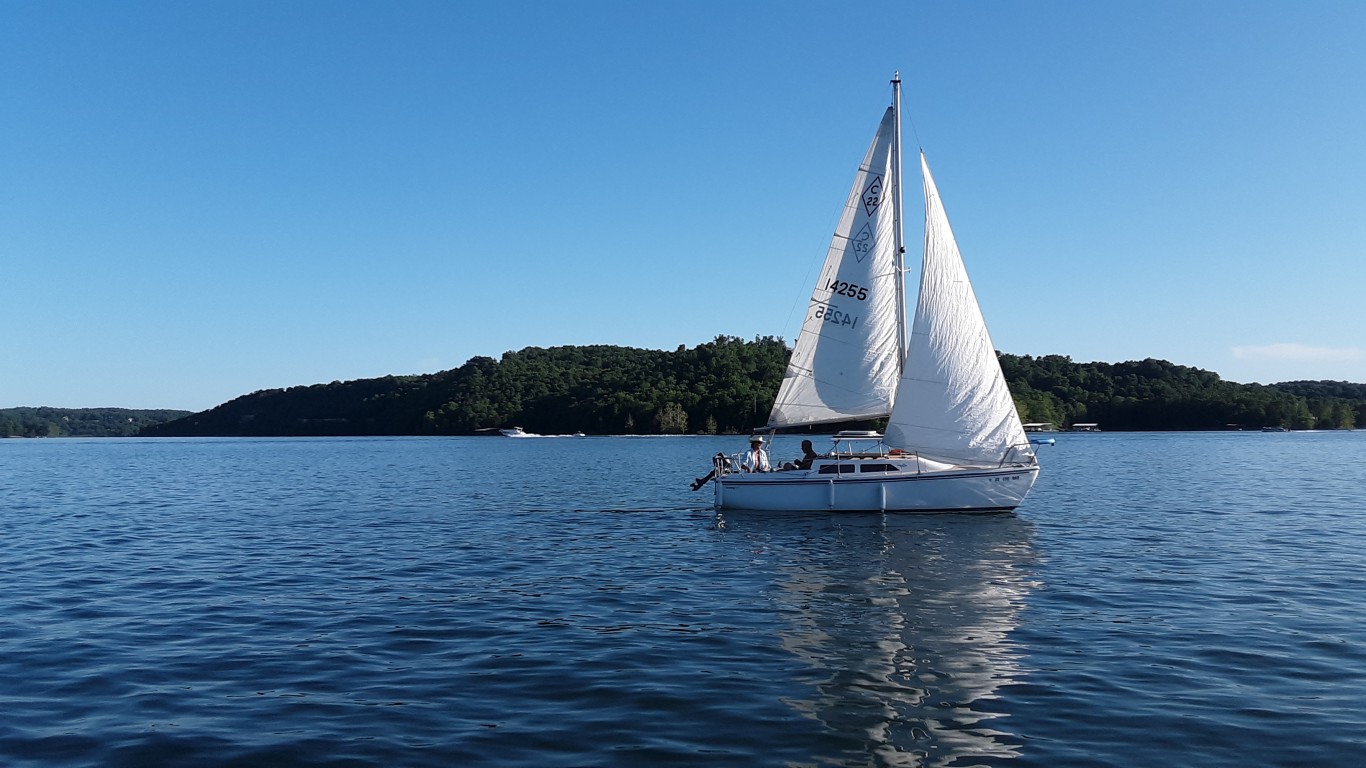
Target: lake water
(1159, 599)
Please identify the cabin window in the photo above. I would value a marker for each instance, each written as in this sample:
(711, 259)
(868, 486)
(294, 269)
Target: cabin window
(830, 469)
(878, 468)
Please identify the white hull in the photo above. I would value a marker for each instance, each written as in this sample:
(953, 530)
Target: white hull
(957, 490)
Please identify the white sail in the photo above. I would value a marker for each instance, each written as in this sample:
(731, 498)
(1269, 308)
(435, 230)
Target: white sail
(952, 403)
(846, 361)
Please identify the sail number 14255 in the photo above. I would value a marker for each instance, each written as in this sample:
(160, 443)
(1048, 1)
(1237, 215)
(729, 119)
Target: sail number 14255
(847, 289)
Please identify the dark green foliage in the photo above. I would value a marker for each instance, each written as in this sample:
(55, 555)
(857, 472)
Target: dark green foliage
(1158, 395)
(727, 386)
(1334, 404)
(1324, 389)
(80, 422)
(392, 405)
(614, 390)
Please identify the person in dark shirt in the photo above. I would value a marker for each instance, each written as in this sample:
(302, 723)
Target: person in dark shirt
(808, 455)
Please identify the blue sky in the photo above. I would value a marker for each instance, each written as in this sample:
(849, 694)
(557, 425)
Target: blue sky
(200, 200)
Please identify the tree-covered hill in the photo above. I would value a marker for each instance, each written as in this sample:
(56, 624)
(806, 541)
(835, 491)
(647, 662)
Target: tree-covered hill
(727, 386)
(1158, 395)
(80, 422)
(1324, 389)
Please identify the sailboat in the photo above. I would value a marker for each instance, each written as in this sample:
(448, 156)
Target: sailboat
(953, 440)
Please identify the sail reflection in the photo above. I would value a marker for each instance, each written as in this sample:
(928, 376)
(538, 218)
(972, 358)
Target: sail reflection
(904, 624)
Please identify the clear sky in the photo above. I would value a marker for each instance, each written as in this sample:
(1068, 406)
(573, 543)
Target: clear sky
(203, 199)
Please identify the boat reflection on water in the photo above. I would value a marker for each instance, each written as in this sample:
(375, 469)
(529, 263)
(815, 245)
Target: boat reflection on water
(903, 623)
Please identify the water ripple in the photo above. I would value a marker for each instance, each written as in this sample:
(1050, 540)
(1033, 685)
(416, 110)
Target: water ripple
(416, 602)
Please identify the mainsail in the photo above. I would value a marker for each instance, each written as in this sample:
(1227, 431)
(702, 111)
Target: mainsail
(952, 402)
(846, 361)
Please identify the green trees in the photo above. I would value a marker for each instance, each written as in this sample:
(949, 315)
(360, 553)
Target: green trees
(727, 385)
(1332, 404)
(1158, 395)
(80, 422)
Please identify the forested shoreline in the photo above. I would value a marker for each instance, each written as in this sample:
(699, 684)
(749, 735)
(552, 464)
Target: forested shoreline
(724, 386)
(81, 422)
(727, 385)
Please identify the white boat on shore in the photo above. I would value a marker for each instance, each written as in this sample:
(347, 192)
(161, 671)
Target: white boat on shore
(953, 441)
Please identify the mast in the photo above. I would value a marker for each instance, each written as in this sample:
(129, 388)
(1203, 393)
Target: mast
(898, 239)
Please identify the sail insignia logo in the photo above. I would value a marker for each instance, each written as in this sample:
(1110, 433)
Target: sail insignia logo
(872, 196)
(862, 243)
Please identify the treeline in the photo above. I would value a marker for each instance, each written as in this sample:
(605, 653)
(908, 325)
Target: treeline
(727, 386)
(1158, 395)
(724, 386)
(80, 422)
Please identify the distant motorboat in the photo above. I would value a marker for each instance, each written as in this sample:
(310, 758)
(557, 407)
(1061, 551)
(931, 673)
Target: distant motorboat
(1274, 429)
(517, 432)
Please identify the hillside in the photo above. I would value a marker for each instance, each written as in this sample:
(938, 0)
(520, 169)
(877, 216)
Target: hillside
(727, 385)
(1158, 395)
(80, 422)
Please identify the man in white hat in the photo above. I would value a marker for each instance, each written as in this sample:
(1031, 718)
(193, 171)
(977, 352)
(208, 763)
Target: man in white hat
(756, 458)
